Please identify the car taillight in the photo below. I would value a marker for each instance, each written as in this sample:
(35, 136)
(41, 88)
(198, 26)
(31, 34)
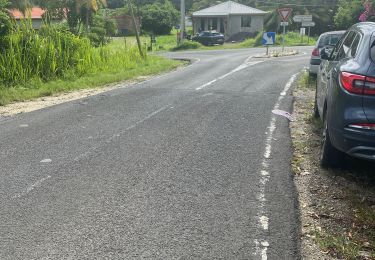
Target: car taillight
(363, 126)
(357, 84)
(315, 52)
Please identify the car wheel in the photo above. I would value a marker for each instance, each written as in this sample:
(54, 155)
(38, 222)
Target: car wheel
(316, 110)
(329, 156)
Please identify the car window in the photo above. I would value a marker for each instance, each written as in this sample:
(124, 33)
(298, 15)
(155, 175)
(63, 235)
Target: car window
(354, 46)
(344, 50)
(335, 50)
(215, 34)
(372, 50)
(329, 40)
(322, 41)
(333, 39)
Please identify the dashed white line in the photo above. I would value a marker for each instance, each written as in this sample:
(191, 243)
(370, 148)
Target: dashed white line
(265, 175)
(85, 154)
(239, 68)
(32, 187)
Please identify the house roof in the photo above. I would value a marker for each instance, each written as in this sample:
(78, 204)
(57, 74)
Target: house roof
(229, 8)
(33, 13)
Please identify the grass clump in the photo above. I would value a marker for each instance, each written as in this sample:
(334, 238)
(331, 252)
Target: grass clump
(187, 45)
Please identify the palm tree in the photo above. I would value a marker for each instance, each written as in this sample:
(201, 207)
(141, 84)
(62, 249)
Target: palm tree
(89, 6)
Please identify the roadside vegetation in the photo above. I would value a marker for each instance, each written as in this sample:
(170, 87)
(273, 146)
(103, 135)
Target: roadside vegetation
(55, 59)
(337, 205)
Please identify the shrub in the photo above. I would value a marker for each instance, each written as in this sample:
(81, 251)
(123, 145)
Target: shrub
(187, 45)
(51, 54)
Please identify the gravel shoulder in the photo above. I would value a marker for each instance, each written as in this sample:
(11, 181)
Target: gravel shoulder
(337, 206)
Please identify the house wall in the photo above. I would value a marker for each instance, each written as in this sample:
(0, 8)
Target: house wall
(257, 23)
(235, 24)
(230, 27)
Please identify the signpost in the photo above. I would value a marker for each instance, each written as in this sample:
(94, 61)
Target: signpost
(302, 18)
(269, 38)
(302, 32)
(284, 14)
(306, 21)
(308, 25)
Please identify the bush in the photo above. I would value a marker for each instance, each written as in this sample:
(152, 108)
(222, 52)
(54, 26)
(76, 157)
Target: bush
(187, 45)
(50, 54)
(159, 18)
(5, 24)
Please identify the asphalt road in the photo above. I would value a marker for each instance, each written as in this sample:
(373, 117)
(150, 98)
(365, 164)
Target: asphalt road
(188, 165)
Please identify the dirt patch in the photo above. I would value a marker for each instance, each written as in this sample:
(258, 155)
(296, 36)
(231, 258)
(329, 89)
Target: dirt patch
(337, 205)
(28, 106)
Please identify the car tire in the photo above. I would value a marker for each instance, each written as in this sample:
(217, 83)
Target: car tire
(330, 157)
(316, 110)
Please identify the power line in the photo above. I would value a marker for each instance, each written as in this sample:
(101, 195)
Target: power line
(299, 5)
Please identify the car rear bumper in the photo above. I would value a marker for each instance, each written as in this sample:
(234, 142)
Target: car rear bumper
(356, 142)
(314, 69)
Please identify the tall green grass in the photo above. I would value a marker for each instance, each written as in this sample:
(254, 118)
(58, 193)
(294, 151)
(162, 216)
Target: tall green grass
(50, 54)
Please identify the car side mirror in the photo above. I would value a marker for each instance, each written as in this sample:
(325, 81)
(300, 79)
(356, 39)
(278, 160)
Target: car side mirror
(325, 54)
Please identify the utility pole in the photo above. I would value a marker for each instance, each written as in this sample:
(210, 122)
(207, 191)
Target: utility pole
(135, 28)
(182, 25)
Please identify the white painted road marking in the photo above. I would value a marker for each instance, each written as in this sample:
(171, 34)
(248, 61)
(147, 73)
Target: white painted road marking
(46, 161)
(85, 154)
(32, 187)
(265, 175)
(239, 68)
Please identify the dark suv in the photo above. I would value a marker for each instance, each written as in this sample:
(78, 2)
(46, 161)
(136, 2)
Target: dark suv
(345, 96)
(209, 38)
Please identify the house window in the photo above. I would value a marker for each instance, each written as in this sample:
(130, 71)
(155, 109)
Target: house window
(246, 21)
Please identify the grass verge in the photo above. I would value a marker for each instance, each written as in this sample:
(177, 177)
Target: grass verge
(169, 42)
(337, 205)
(36, 88)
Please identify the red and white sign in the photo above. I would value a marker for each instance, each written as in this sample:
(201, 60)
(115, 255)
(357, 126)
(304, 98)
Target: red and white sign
(285, 13)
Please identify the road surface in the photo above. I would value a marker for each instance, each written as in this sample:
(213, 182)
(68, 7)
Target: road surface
(189, 165)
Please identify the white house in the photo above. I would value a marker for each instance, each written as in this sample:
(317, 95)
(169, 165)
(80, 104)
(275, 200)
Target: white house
(229, 18)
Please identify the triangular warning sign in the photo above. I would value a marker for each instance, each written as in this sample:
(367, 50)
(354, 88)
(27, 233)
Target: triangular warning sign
(285, 13)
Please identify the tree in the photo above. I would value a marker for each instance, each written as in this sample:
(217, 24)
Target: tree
(159, 18)
(86, 8)
(5, 23)
(348, 13)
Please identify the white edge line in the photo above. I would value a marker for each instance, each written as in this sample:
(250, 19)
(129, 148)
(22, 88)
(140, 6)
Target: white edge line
(263, 219)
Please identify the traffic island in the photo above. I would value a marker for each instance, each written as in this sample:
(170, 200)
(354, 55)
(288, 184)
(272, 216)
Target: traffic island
(337, 206)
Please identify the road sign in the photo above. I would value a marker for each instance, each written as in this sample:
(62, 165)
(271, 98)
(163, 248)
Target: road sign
(302, 31)
(308, 24)
(284, 24)
(302, 18)
(284, 13)
(269, 38)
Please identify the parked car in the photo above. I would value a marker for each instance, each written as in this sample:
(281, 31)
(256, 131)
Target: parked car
(327, 40)
(209, 38)
(345, 96)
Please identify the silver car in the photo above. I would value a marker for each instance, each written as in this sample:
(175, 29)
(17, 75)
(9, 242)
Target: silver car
(326, 40)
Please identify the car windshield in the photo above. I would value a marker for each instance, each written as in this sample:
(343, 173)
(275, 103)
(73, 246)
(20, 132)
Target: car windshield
(330, 39)
(204, 34)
